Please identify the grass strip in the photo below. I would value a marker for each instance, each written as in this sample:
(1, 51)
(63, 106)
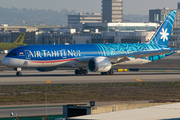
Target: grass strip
(102, 92)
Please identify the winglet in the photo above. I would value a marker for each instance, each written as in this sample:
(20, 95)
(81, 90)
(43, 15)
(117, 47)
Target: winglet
(53, 42)
(162, 35)
(20, 39)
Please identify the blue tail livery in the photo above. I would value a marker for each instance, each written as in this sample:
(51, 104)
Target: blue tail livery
(92, 57)
(162, 35)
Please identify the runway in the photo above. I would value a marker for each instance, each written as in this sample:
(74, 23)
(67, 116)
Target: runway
(8, 77)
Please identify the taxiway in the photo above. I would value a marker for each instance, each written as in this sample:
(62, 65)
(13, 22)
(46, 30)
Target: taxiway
(8, 77)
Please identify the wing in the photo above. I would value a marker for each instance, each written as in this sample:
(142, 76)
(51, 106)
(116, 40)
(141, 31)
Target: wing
(144, 53)
(124, 57)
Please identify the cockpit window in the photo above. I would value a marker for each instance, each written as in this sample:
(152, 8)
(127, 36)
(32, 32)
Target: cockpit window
(12, 54)
(9, 54)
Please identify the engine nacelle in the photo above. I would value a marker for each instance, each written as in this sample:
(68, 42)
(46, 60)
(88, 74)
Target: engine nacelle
(45, 69)
(99, 64)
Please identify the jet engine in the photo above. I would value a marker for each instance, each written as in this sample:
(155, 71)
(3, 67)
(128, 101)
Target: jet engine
(99, 64)
(45, 69)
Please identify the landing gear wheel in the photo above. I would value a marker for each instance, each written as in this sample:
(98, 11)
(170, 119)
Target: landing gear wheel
(103, 73)
(77, 72)
(111, 72)
(107, 73)
(81, 71)
(85, 71)
(19, 73)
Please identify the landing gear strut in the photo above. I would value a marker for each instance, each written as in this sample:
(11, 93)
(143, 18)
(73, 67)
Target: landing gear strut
(18, 73)
(81, 71)
(111, 72)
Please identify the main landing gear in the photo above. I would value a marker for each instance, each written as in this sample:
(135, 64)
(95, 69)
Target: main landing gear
(18, 73)
(111, 72)
(81, 71)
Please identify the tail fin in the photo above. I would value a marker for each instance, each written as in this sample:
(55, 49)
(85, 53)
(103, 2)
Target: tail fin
(162, 35)
(20, 39)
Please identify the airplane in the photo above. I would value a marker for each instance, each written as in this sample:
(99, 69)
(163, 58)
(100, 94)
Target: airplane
(93, 57)
(17, 43)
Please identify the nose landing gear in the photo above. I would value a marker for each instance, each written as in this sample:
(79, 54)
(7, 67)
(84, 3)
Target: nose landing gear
(18, 73)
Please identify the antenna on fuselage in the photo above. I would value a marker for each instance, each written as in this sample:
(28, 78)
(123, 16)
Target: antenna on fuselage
(53, 42)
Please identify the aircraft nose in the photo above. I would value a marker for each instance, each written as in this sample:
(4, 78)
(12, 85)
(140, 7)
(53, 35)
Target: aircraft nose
(5, 61)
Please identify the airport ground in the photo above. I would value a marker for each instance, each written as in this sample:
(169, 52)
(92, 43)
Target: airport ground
(161, 81)
(29, 100)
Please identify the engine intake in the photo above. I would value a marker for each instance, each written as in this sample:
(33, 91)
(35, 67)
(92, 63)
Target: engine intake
(99, 64)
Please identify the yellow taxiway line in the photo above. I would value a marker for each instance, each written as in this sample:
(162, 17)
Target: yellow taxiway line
(139, 80)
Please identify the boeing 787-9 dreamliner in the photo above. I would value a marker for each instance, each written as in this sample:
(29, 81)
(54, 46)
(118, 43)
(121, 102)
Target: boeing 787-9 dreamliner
(93, 57)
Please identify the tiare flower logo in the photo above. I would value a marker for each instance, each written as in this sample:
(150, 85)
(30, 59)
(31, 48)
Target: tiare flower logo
(164, 34)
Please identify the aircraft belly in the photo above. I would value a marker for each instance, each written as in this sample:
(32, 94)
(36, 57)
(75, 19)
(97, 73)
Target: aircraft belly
(134, 61)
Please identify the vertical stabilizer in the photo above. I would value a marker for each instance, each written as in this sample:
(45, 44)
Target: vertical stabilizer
(20, 39)
(162, 35)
